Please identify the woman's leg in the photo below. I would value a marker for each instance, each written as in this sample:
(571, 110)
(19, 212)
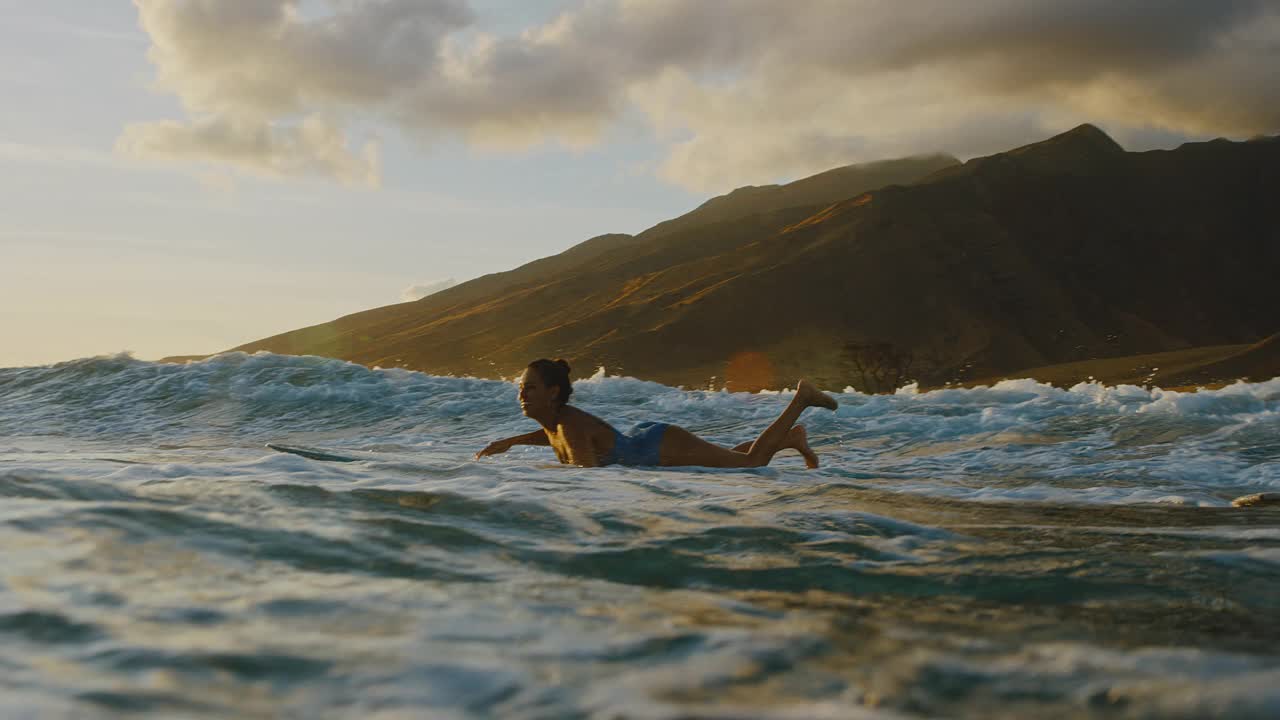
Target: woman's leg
(797, 439)
(774, 437)
(681, 447)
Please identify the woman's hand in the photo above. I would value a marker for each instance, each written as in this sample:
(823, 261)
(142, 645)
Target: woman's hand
(494, 448)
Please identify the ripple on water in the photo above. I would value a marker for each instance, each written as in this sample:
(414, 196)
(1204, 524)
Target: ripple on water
(1017, 551)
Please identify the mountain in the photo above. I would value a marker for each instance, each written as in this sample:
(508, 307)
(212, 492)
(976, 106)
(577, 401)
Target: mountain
(1064, 250)
(1257, 362)
(364, 336)
(821, 189)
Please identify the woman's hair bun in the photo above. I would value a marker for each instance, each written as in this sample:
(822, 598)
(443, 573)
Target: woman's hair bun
(564, 364)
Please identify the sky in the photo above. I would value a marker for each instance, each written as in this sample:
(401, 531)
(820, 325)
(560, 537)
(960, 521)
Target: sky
(183, 176)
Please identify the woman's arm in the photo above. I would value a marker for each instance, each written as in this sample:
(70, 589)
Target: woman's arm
(537, 437)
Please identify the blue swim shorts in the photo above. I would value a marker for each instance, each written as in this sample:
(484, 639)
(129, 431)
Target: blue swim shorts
(639, 446)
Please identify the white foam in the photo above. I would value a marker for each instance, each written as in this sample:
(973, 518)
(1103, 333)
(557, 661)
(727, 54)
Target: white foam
(1017, 440)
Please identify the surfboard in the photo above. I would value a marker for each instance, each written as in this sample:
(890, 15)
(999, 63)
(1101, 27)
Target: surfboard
(316, 453)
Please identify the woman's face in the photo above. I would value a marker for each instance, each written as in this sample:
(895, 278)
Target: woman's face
(536, 397)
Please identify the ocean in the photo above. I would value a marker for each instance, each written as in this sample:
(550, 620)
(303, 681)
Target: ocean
(1008, 551)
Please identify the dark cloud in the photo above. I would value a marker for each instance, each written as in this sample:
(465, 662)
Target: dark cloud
(753, 89)
(1069, 41)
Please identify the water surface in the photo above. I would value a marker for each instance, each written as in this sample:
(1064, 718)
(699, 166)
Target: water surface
(1012, 551)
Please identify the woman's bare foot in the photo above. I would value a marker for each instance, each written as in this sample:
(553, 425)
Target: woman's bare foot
(812, 396)
(798, 440)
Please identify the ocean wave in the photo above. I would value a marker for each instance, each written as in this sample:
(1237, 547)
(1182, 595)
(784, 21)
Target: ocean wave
(1017, 440)
(1020, 550)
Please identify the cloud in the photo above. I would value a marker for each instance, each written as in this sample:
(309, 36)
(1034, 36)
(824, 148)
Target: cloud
(738, 90)
(417, 292)
(313, 147)
(870, 80)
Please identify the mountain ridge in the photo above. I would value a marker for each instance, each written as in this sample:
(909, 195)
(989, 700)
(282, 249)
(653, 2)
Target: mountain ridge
(1056, 251)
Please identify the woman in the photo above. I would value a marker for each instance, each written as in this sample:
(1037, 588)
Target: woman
(580, 438)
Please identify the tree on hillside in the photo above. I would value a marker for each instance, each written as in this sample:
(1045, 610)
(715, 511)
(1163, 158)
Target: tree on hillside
(878, 366)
